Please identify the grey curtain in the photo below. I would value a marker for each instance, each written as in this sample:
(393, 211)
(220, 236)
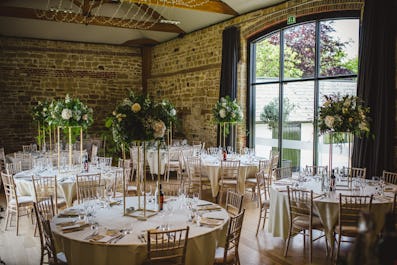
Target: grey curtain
(376, 84)
(230, 58)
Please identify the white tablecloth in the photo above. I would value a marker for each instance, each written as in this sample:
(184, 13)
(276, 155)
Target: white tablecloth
(66, 180)
(211, 168)
(130, 249)
(326, 206)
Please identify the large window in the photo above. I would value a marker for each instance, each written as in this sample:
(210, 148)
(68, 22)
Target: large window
(291, 71)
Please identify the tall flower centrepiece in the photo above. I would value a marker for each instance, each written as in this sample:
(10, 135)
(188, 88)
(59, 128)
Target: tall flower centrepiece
(343, 114)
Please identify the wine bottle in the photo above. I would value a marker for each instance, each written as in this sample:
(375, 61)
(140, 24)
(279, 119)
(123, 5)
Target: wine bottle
(85, 163)
(332, 181)
(161, 198)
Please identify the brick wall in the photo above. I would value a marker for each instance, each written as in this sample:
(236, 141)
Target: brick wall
(187, 70)
(32, 70)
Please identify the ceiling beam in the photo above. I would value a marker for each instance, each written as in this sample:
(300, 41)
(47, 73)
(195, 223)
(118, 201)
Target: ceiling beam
(29, 13)
(214, 6)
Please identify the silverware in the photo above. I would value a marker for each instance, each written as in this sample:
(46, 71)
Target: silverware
(118, 238)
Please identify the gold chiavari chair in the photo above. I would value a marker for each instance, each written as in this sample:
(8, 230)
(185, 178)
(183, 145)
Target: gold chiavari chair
(88, 186)
(16, 205)
(263, 186)
(350, 207)
(167, 247)
(230, 170)
(317, 170)
(47, 242)
(302, 218)
(251, 183)
(13, 168)
(389, 177)
(234, 202)
(44, 187)
(229, 253)
(196, 181)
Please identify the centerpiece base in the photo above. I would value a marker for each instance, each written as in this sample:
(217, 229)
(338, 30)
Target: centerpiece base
(140, 214)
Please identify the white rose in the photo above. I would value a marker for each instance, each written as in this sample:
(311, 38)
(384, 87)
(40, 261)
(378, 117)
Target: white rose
(67, 98)
(173, 112)
(66, 114)
(329, 121)
(363, 126)
(158, 128)
(222, 113)
(85, 117)
(224, 104)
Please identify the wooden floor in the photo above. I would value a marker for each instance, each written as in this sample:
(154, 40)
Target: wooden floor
(263, 249)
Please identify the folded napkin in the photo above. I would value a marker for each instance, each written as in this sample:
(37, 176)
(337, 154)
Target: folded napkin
(212, 207)
(69, 213)
(114, 203)
(210, 221)
(66, 224)
(390, 189)
(73, 228)
(109, 236)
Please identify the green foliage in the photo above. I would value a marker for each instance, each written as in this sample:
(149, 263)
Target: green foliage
(270, 112)
(137, 117)
(344, 114)
(227, 110)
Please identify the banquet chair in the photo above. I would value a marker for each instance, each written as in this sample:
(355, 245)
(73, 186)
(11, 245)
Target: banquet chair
(196, 181)
(234, 202)
(251, 182)
(229, 253)
(213, 150)
(25, 159)
(47, 242)
(117, 185)
(316, 170)
(173, 164)
(88, 186)
(44, 187)
(229, 173)
(29, 148)
(127, 166)
(105, 161)
(389, 177)
(167, 247)
(302, 218)
(263, 187)
(184, 154)
(16, 205)
(282, 172)
(350, 207)
(13, 168)
(173, 188)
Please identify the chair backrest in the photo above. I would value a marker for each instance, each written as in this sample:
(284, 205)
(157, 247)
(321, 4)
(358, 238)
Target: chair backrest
(183, 155)
(173, 188)
(43, 223)
(350, 207)
(282, 172)
(44, 187)
(317, 170)
(88, 186)
(264, 165)
(300, 203)
(390, 177)
(105, 161)
(263, 183)
(29, 148)
(356, 172)
(9, 189)
(127, 163)
(234, 202)
(212, 150)
(13, 168)
(193, 168)
(118, 180)
(167, 246)
(230, 169)
(233, 235)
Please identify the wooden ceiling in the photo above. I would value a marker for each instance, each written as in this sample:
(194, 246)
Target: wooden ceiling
(161, 18)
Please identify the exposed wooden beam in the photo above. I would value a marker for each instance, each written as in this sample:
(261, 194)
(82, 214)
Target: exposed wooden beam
(214, 6)
(141, 42)
(30, 13)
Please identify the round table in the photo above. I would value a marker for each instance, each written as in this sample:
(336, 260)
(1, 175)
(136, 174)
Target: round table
(326, 205)
(131, 249)
(66, 180)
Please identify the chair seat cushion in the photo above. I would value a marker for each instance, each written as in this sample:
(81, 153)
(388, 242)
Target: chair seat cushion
(22, 200)
(219, 255)
(304, 222)
(251, 180)
(132, 188)
(228, 182)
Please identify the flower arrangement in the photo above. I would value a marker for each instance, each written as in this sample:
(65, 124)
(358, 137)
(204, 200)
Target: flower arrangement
(137, 117)
(70, 112)
(344, 114)
(41, 112)
(227, 110)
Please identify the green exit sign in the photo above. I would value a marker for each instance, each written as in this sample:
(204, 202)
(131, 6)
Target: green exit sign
(291, 20)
